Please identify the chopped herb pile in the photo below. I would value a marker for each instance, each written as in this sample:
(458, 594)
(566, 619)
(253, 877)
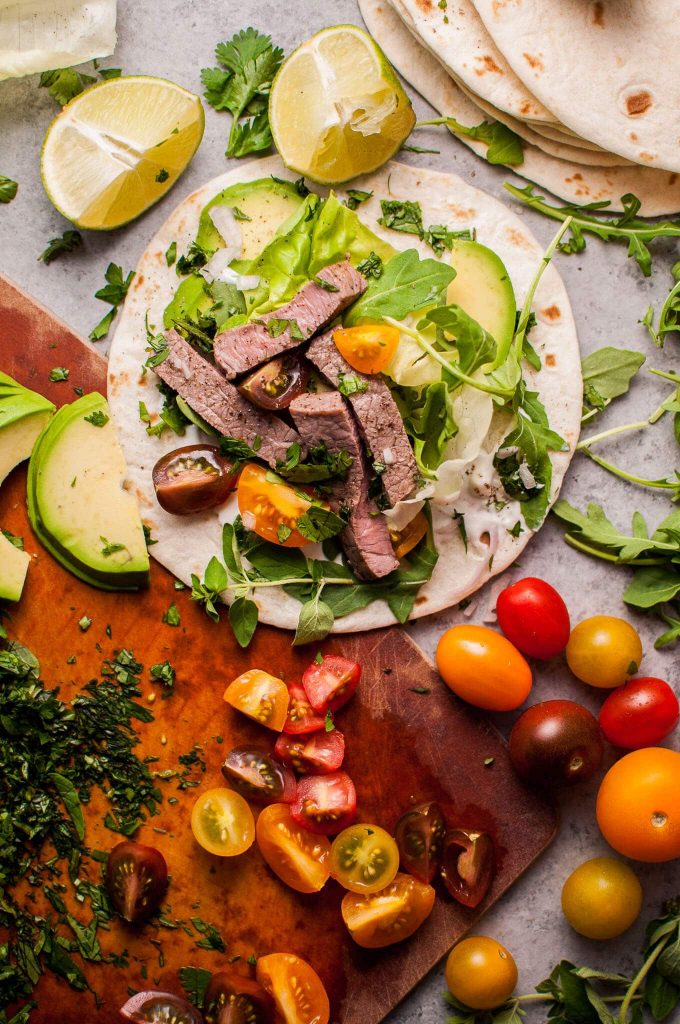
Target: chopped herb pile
(407, 216)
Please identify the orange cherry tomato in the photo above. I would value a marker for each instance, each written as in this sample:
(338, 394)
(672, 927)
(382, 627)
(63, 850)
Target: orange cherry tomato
(296, 988)
(405, 540)
(483, 668)
(297, 856)
(381, 918)
(260, 696)
(638, 805)
(368, 348)
(270, 507)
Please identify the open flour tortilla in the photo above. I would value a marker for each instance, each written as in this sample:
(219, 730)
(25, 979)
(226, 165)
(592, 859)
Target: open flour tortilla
(659, 191)
(185, 545)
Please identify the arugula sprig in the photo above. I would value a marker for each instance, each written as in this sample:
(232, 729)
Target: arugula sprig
(607, 374)
(669, 317)
(504, 145)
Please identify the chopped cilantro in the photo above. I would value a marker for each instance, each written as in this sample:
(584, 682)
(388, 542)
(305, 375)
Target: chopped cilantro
(172, 616)
(56, 247)
(58, 373)
(97, 418)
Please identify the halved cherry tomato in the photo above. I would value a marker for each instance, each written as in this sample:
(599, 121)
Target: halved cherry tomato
(318, 754)
(331, 682)
(367, 348)
(270, 507)
(639, 714)
(419, 834)
(468, 864)
(258, 776)
(158, 1008)
(232, 999)
(259, 696)
(136, 880)
(222, 822)
(603, 651)
(302, 717)
(405, 540)
(364, 858)
(325, 803)
(278, 382)
(296, 988)
(534, 618)
(483, 668)
(390, 915)
(192, 479)
(299, 858)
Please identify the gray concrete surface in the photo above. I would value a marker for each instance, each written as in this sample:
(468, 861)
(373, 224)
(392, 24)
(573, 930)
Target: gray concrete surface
(609, 295)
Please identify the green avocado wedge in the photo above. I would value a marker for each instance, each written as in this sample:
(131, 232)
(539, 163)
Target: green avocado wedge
(482, 287)
(13, 568)
(261, 208)
(23, 414)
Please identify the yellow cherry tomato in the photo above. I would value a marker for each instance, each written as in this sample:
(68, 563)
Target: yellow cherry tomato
(405, 540)
(604, 651)
(364, 858)
(483, 668)
(260, 696)
(602, 898)
(368, 348)
(481, 973)
(222, 822)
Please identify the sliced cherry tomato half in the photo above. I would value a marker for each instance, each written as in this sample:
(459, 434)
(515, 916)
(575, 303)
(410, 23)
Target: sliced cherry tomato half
(468, 865)
(420, 835)
(367, 348)
(390, 915)
(364, 858)
(222, 822)
(193, 479)
(270, 507)
(136, 880)
(325, 803)
(330, 683)
(405, 540)
(297, 989)
(318, 754)
(275, 385)
(261, 697)
(232, 999)
(302, 717)
(258, 776)
(159, 1008)
(298, 857)
(534, 618)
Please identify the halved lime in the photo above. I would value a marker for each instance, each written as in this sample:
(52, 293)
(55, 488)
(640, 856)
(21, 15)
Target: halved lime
(336, 108)
(117, 148)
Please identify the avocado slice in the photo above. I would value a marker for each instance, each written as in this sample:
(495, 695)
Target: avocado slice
(482, 287)
(23, 414)
(77, 501)
(14, 564)
(266, 204)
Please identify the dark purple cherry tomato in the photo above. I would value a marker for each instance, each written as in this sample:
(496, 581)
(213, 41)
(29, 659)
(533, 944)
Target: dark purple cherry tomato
(159, 1008)
(534, 618)
(468, 865)
(136, 880)
(259, 776)
(640, 713)
(556, 743)
(277, 383)
(232, 999)
(192, 479)
(419, 834)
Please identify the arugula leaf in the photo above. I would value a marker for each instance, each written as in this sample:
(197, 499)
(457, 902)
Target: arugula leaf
(476, 347)
(63, 84)
(669, 317)
(607, 374)
(406, 284)
(429, 420)
(8, 189)
(56, 247)
(505, 147)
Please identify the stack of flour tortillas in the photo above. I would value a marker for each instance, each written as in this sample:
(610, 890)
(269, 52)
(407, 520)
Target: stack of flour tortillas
(586, 84)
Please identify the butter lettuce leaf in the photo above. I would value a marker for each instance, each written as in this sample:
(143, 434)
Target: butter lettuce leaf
(339, 232)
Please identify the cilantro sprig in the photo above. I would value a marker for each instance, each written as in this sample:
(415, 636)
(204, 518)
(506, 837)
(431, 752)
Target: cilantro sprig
(113, 292)
(57, 247)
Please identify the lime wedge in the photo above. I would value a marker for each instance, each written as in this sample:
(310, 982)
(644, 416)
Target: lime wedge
(336, 108)
(117, 148)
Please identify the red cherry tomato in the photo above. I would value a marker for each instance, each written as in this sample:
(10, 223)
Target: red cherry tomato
(331, 683)
(534, 618)
(318, 754)
(325, 803)
(302, 717)
(639, 714)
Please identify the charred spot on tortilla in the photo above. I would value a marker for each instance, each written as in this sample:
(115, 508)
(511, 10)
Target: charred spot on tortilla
(425, 5)
(489, 65)
(638, 103)
(598, 14)
(552, 313)
(534, 62)
(550, 360)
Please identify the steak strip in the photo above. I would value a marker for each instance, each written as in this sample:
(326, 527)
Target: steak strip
(378, 416)
(327, 418)
(240, 349)
(218, 402)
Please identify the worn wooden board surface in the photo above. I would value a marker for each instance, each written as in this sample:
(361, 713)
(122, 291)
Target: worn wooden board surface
(402, 746)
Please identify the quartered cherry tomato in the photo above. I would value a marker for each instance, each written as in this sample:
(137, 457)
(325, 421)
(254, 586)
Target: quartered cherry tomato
(297, 856)
(318, 754)
(603, 651)
(367, 348)
(419, 834)
(258, 776)
(481, 973)
(270, 507)
(364, 858)
(222, 822)
(468, 865)
(638, 805)
(232, 999)
(136, 880)
(639, 714)
(193, 479)
(556, 743)
(534, 618)
(261, 697)
(483, 668)
(275, 385)
(390, 915)
(405, 540)
(296, 988)
(330, 683)
(325, 803)
(159, 1008)
(302, 717)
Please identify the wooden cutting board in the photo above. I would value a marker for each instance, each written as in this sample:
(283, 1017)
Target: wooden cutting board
(402, 746)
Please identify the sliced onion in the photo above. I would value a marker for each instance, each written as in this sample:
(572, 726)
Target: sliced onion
(388, 456)
(527, 477)
(249, 520)
(225, 222)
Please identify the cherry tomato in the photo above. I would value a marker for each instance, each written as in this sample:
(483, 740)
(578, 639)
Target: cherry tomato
(275, 385)
(382, 918)
(483, 668)
(603, 651)
(638, 805)
(296, 988)
(260, 696)
(364, 858)
(136, 880)
(270, 507)
(481, 973)
(258, 776)
(405, 540)
(159, 1008)
(602, 898)
(299, 858)
(468, 865)
(325, 803)
(639, 714)
(556, 743)
(302, 717)
(222, 822)
(534, 618)
(232, 999)
(318, 754)
(367, 348)
(420, 834)
(330, 683)
(193, 479)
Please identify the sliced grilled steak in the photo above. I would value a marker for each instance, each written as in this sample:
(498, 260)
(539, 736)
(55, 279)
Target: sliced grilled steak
(239, 349)
(378, 417)
(327, 417)
(202, 385)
